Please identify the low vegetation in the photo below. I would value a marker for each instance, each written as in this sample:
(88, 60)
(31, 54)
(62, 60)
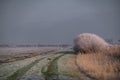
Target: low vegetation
(101, 64)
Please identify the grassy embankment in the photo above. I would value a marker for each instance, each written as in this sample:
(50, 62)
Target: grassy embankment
(103, 65)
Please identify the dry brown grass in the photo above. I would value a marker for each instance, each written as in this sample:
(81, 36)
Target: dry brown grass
(103, 65)
(113, 50)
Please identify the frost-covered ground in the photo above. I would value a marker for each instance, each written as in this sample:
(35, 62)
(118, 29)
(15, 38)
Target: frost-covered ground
(10, 54)
(56, 65)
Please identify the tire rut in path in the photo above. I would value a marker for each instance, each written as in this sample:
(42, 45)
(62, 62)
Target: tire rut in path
(20, 72)
(50, 72)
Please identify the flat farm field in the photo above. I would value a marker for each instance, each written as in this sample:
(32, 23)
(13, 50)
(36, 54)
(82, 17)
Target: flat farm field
(9, 54)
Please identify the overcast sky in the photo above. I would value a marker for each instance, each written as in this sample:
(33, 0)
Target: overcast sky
(57, 21)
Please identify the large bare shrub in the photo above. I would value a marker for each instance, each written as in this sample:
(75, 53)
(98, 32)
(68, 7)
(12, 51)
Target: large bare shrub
(88, 42)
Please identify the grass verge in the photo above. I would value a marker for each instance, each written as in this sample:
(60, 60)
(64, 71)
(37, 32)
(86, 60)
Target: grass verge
(51, 71)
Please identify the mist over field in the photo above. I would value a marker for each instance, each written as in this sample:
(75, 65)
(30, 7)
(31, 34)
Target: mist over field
(57, 21)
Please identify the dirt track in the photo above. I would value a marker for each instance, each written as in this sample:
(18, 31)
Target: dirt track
(52, 66)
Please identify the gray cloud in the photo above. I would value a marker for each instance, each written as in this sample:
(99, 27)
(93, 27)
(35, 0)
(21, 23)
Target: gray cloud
(57, 21)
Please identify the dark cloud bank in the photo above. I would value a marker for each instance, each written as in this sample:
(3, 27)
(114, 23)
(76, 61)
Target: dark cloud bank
(57, 21)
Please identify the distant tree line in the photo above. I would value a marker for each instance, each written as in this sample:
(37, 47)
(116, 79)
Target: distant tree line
(39, 45)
